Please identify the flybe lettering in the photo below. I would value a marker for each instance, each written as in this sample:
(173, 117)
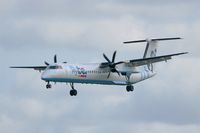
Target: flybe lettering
(79, 71)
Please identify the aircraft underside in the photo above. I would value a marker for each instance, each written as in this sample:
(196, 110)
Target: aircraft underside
(113, 80)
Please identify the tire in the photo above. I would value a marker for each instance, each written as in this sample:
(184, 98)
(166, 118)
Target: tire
(71, 93)
(75, 92)
(132, 88)
(127, 88)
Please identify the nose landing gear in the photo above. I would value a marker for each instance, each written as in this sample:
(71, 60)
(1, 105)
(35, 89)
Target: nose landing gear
(72, 92)
(48, 86)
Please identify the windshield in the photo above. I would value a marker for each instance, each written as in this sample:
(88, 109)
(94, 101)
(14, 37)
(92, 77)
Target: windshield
(55, 67)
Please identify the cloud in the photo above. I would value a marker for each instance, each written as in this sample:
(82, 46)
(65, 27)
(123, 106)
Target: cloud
(162, 127)
(71, 34)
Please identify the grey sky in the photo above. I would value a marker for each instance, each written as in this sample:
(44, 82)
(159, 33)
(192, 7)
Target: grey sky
(31, 32)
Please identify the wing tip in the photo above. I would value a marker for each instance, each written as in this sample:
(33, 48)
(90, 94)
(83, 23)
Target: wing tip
(12, 67)
(184, 53)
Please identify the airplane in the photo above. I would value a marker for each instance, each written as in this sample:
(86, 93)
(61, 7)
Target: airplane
(124, 73)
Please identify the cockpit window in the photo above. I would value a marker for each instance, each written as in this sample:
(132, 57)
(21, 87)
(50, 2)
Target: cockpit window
(55, 67)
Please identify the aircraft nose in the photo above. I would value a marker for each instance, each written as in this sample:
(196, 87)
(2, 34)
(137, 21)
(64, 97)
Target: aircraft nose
(44, 76)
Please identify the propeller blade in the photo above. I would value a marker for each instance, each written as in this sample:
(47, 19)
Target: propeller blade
(55, 58)
(46, 63)
(118, 72)
(108, 75)
(106, 58)
(113, 58)
(117, 63)
(114, 70)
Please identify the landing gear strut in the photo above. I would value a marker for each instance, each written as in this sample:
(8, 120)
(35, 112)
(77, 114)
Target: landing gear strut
(129, 88)
(48, 85)
(72, 92)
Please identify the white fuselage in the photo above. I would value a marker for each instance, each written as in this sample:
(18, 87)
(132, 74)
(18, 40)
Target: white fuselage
(93, 74)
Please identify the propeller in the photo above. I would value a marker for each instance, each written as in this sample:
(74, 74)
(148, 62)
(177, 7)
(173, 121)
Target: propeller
(55, 60)
(46, 63)
(112, 64)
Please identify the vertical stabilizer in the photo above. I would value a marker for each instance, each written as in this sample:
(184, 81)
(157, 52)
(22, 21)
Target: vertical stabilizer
(150, 51)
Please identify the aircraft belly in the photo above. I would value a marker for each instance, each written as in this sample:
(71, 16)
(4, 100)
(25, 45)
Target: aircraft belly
(92, 79)
(114, 79)
(143, 75)
(84, 81)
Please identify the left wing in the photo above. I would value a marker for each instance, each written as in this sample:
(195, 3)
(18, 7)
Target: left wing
(39, 68)
(145, 61)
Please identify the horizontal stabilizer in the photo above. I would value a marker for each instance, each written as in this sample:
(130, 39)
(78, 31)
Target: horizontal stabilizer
(155, 39)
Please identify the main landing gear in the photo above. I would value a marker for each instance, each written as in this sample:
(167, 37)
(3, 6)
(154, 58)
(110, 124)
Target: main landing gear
(48, 86)
(72, 92)
(129, 88)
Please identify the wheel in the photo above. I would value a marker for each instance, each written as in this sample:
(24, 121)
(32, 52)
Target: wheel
(48, 86)
(129, 88)
(132, 88)
(73, 92)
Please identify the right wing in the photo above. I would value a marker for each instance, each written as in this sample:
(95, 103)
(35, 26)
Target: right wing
(145, 61)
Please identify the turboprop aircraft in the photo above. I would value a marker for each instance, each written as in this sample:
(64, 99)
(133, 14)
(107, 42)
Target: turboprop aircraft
(125, 73)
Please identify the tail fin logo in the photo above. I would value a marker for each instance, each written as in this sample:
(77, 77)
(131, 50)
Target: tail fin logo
(150, 67)
(153, 53)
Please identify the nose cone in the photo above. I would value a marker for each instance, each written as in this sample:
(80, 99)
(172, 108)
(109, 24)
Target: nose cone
(45, 76)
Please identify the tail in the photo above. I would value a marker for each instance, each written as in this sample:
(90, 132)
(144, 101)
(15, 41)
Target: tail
(151, 49)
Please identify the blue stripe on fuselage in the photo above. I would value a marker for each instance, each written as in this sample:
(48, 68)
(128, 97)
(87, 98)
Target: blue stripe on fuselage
(84, 81)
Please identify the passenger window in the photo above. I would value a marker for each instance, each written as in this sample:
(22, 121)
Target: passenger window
(59, 67)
